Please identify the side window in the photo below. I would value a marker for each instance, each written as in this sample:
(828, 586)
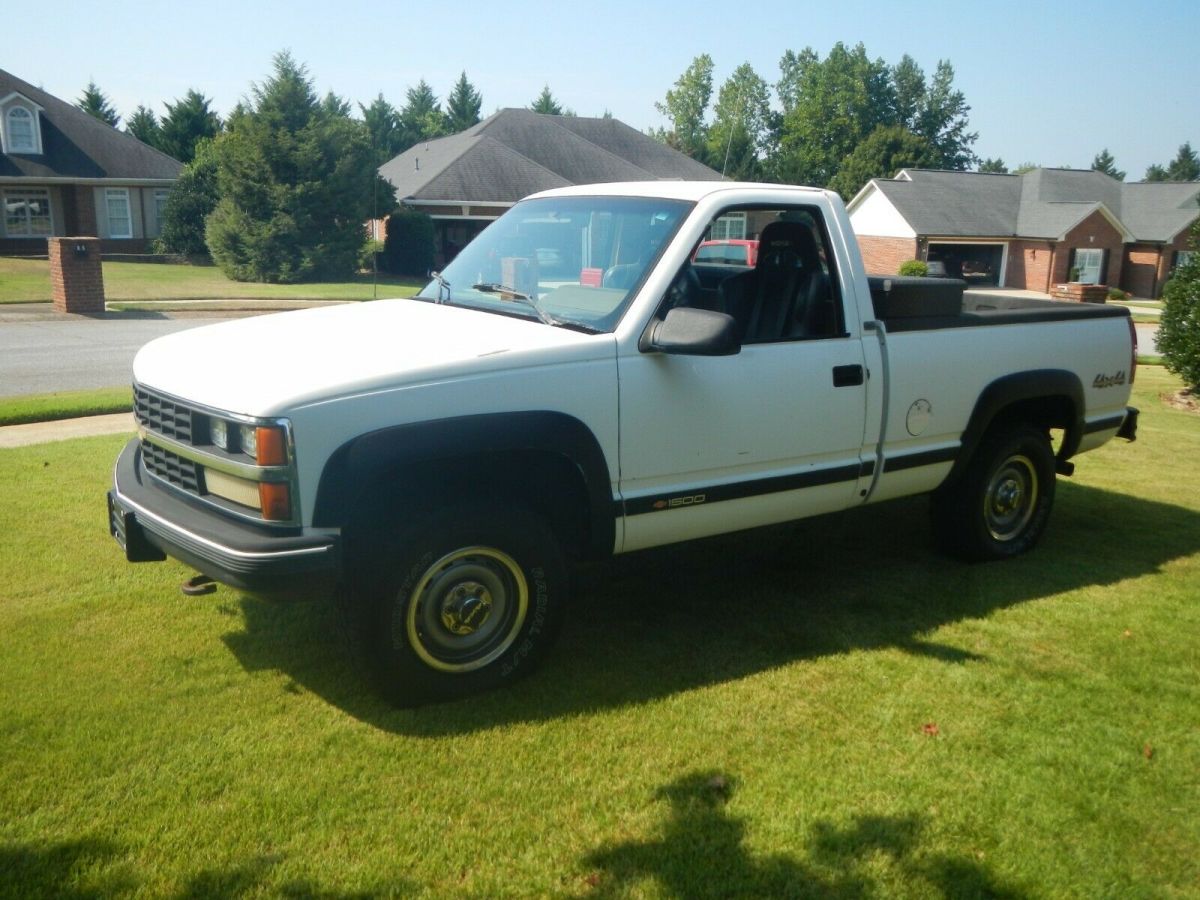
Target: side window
(786, 290)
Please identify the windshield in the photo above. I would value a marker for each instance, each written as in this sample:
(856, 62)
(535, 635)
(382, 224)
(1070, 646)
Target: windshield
(571, 261)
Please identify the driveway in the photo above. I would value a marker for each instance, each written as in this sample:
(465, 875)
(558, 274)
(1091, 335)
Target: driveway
(42, 351)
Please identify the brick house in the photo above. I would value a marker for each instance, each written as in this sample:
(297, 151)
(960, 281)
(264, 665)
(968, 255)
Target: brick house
(466, 180)
(65, 173)
(1028, 231)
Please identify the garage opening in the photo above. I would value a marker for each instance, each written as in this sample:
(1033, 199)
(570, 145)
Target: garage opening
(979, 265)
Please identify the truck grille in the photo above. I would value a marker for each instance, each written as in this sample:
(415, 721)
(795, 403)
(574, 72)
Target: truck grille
(183, 473)
(164, 416)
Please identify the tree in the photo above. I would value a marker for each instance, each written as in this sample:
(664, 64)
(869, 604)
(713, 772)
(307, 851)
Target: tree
(993, 166)
(1179, 328)
(295, 179)
(421, 118)
(189, 120)
(94, 103)
(686, 106)
(383, 125)
(738, 135)
(1104, 162)
(942, 120)
(548, 106)
(409, 246)
(144, 126)
(1026, 167)
(334, 105)
(888, 149)
(908, 79)
(462, 106)
(193, 197)
(1184, 167)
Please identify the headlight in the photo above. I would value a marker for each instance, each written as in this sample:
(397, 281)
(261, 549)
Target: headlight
(218, 432)
(249, 435)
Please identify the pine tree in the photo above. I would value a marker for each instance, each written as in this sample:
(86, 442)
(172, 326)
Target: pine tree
(546, 104)
(421, 118)
(144, 126)
(993, 166)
(94, 103)
(462, 106)
(1104, 162)
(383, 124)
(188, 121)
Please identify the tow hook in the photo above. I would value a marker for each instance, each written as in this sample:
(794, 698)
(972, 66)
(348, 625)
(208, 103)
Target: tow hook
(198, 585)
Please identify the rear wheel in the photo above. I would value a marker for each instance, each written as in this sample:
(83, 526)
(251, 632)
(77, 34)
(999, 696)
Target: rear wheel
(465, 599)
(1000, 506)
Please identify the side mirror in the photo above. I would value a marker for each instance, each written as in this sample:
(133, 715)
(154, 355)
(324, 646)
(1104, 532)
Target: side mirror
(695, 332)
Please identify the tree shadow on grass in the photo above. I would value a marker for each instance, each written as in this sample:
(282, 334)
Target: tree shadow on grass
(700, 853)
(653, 623)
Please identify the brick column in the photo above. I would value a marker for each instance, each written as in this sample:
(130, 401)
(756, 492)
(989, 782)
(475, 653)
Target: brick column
(75, 275)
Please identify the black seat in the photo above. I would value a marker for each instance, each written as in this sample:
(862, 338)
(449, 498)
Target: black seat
(787, 294)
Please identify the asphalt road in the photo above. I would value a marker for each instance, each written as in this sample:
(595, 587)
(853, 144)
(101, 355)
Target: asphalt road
(42, 352)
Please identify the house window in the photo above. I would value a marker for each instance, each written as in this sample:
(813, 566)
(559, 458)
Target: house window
(120, 222)
(160, 208)
(27, 213)
(21, 137)
(1183, 257)
(731, 227)
(1089, 262)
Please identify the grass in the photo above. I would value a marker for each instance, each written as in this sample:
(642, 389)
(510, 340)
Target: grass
(64, 405)
(28, 281)
(827, 709)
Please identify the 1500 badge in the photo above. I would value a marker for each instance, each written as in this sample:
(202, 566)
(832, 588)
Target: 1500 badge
(1107, 381)
(677, 502)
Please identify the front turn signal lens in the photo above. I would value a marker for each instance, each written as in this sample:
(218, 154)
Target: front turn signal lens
(270, 446)
(276, 500)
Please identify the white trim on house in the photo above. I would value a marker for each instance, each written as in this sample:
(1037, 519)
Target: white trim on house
(8, 105)
(87, 182)
(1003, 245)
(1126, 235)
(872, 214)
(119, 194)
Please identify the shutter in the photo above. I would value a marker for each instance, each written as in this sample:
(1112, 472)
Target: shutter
(1070, 264)
(1104, 267)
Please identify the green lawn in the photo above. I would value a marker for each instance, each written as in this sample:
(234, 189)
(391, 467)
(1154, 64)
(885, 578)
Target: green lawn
(28, 280)
(828, 709)
(64, 405)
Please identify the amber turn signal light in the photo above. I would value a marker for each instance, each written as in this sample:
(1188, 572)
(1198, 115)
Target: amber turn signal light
(276, 500)
(271, 446)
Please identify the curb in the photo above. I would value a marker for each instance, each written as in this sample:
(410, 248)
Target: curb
(65, 430)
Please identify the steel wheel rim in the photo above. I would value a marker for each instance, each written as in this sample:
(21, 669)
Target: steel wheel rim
(1010, 498)
(466, 609)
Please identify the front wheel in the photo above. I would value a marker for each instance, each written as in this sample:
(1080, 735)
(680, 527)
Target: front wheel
(1000, 506)
(464, 599)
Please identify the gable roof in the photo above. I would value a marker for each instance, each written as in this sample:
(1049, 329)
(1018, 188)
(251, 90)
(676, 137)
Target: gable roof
(1042, 203)
(76, 145)
(516, 152)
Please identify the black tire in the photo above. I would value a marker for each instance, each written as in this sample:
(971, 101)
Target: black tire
(462, 600)
(1000, 506)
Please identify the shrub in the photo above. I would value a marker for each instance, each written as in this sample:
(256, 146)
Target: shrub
(1117, 294)
(369, 255)
(193, 197)
(914, 267)
(1179, 329)
(408, 249)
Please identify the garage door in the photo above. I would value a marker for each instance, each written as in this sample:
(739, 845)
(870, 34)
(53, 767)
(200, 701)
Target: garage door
(977, 264)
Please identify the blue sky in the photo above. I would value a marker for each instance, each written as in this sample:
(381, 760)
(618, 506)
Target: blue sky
(1047, 82)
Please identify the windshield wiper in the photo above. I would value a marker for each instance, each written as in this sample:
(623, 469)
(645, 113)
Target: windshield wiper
(509, 293)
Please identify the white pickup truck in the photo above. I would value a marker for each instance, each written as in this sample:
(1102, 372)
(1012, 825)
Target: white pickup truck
(573, 386)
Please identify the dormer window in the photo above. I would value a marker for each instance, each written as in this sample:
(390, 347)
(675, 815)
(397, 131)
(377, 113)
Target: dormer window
(21, 131)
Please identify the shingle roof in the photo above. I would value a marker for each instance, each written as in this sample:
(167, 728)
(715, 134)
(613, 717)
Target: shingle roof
(76, 145)
(517, 152)
(1042, 203)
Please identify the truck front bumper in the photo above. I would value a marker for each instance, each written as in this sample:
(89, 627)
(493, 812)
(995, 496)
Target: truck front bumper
(151, 522)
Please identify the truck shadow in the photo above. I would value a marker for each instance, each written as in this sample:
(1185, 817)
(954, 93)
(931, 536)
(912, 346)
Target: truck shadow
(654, 623)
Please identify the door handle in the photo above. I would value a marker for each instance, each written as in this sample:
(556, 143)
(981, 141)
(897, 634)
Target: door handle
(847, 376)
